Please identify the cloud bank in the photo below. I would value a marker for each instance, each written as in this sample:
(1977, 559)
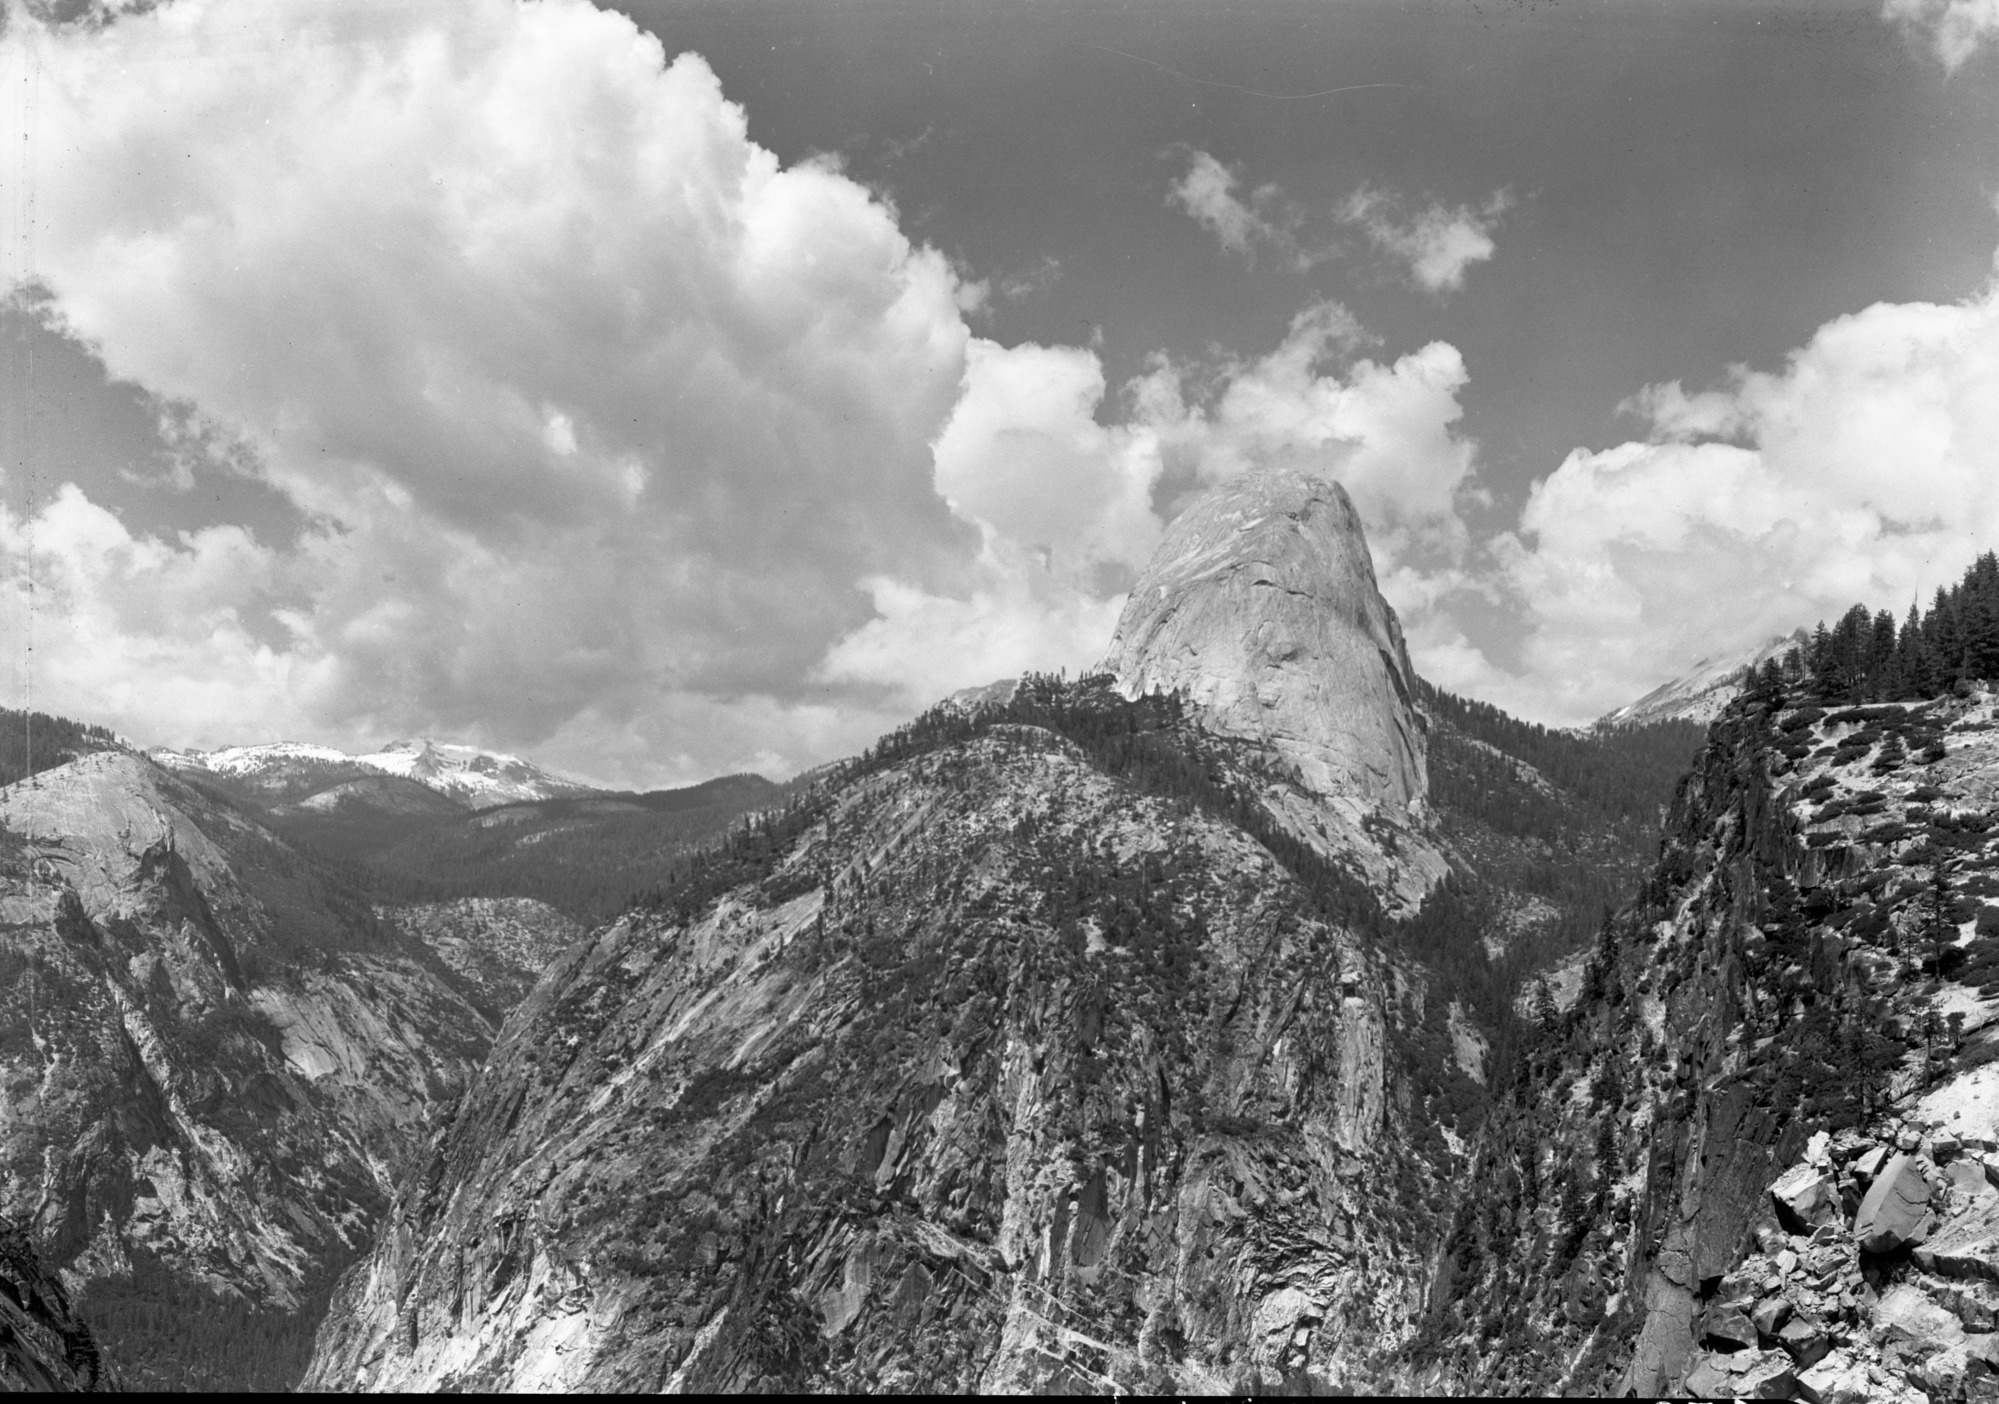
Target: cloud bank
(596, 408)
(1865, 470)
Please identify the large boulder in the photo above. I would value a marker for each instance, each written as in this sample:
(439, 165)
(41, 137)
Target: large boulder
(1837, 1379)
(1967, 1181)
(1729, 1330)
(1870, 1162)
(1771, 1376)
(1805, 1340)
(1896, 1211)
(1905, 1313)
(1710, 1379)
(1769, 1314)
(1806, 1197)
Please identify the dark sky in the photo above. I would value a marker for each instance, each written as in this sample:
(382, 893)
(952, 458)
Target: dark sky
(1697, 184)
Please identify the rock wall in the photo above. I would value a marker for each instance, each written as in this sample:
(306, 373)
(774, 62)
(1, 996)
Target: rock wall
(1260, 607)
(211, 1053)
(44, 1347)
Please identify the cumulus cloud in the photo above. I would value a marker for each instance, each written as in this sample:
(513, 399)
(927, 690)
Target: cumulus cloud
(1207, 192)
(1866, 470)
(1438, 244)
(1953, 29)
(592, 401)
(1383, 429)
(1062, 505)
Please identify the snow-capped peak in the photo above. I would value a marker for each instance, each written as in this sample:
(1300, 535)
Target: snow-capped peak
(477, 778)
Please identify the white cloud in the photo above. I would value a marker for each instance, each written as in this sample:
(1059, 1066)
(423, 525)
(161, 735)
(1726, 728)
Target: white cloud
(72, 579)
(1954, 29)
(1382, 429)
(1438, 244)
(1064, 512)
(593, 402)
(1866, 470)
(921, 646)
(1207, 192)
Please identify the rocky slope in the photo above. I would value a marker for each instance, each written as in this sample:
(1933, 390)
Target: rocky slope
(44, 1346)
(212, 1054)
(1008, 1058)
(1750, 1160)
(1260, 608)
(497, 945)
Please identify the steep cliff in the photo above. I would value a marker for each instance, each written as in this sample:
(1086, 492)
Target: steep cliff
(1747, 1161)
(44, 1346)
(212, 1054)
(1260, 607)
(1009, 1057)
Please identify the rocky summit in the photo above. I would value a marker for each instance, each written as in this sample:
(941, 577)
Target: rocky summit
(1260, 608)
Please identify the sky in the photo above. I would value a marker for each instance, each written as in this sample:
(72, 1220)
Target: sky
(688, 387)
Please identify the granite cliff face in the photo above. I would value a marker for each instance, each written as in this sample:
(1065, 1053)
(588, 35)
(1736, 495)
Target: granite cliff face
(1260, 607)
(212, 1054)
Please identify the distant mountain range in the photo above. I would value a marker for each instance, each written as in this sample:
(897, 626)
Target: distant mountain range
(286, 771)
(1700, 693)
(428, 821)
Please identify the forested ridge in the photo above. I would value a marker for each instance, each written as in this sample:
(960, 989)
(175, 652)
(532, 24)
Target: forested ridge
(1579, 837)
(31, 742)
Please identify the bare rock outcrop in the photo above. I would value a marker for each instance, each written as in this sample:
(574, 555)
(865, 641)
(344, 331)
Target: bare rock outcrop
(1261, 608)
(1896, 1212)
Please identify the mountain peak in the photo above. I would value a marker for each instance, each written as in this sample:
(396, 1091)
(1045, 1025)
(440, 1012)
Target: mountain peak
(1261, 607)
(1699, 694)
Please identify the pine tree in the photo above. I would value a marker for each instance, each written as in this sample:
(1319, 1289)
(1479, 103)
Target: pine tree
(1545, 1011)
(1913, 659)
